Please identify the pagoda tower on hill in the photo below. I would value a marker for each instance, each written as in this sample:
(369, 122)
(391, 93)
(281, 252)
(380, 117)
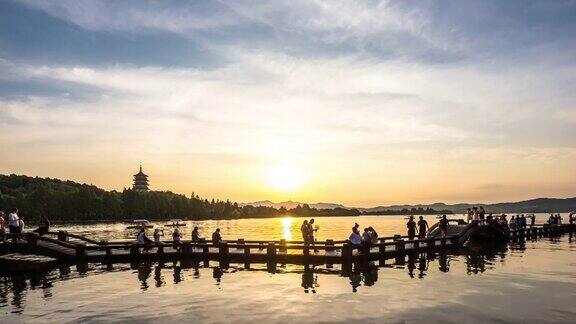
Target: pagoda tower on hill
(140, 181)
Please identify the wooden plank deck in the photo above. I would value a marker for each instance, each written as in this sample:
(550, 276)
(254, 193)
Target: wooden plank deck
(82, 249)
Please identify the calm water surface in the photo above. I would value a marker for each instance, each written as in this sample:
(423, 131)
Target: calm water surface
(530, 282)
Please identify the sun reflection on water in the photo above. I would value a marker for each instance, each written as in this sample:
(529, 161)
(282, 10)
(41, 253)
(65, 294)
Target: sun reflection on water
(287, 228)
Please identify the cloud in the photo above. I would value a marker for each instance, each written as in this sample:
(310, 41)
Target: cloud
(391, 89)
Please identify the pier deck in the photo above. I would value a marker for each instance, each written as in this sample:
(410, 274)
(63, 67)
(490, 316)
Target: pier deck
(70, 247)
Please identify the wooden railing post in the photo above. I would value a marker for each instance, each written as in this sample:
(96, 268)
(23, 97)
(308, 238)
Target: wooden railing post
(306, 251)
(240, 243)
(329, 245)
(134, 249)
(271, 252)
(282, 248)
(186, 248)
(223, 250)
(32, 239)
(346, 254)
(160, 248)
(62, 236)
(80, 250)
(416, 245)
(399, 246)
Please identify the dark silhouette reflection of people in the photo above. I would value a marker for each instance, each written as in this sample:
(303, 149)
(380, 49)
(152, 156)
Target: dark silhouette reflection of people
(158, 276)
(443, 262)
(475, 263)
(309, 281)
(19, 288)
(144, 271)
(217, 274)
(177, 273)
(355, 280)
(411, 265)
(370, 275)
(422, 266)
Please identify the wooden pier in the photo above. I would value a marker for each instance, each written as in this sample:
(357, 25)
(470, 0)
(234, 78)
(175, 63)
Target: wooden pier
(72, 248)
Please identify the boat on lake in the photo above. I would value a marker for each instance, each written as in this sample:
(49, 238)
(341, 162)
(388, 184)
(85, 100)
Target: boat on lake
(176, 223)
(139, 223)
(473, 233)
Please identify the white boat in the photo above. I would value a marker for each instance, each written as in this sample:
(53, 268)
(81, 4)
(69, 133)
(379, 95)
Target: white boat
(140, 223)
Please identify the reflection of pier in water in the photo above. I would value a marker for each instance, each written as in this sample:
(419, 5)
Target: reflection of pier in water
(151, 275)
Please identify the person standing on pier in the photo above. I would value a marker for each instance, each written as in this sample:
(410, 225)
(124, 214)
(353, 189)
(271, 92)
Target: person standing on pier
(216, 237)
(443, 225)
(355, 237)
(373, 235)
(14, 222)
(143, 240)
(177, 239)
(481, 213)
(195, 235)
(311, 231)
(43, 225)
(469, 215)
(304, 230)
(411, 225)
(532, 220)
(422, 227)
(367, 237)
(157, 236)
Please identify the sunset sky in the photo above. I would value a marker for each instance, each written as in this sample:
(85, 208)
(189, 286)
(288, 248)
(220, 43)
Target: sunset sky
(362, 103)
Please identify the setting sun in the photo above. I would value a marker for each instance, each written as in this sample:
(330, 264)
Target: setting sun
(284, 178)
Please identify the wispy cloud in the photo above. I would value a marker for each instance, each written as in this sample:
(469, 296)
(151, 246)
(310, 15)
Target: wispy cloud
(383, 89)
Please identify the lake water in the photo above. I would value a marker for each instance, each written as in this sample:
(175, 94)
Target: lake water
(530, 282)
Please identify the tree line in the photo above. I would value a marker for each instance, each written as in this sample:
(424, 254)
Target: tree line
(411, 211)
(71, 201)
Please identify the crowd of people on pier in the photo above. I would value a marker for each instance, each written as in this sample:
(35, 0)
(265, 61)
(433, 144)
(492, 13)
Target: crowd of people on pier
(15, 223)
(147, 243)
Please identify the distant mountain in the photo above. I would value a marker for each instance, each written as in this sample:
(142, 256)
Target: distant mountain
(291, 204)
(539, 205)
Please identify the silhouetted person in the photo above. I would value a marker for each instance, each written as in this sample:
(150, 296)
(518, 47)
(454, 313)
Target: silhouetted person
(157, 236)
(14, 222)
(443, 225)
(304, 230)
(195, 235)
(373, 235)
(481, 213)
(177, 239)
(43, 225)
(311, 231)
(355, 237)
(216, 237)
(411, 225)
(532, 220)
(143, 240)
(422, 227)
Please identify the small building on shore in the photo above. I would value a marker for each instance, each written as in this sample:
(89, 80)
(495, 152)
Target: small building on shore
(140, 181)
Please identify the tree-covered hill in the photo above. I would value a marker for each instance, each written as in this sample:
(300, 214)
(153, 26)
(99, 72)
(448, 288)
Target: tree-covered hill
(67, 200)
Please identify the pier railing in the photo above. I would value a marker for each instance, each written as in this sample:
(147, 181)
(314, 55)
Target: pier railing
(69, 246)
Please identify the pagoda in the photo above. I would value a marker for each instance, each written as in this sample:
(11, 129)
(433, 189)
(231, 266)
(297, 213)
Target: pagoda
(140, 181)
